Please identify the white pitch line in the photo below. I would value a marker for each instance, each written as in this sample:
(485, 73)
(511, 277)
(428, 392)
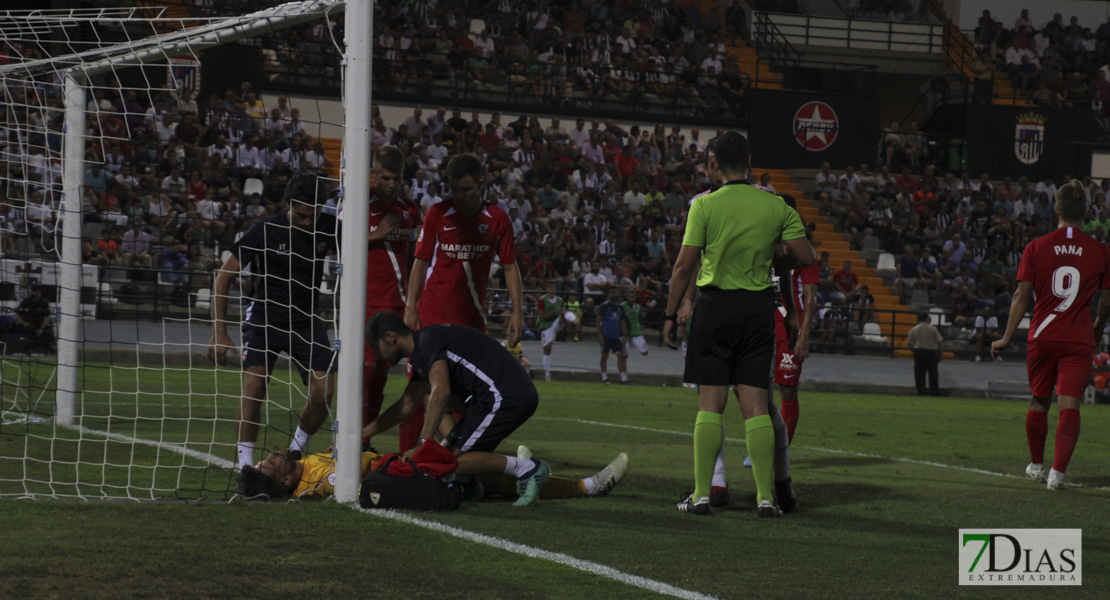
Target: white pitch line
(900, 459)
(480, 538)
(557, 557)
(209, 458)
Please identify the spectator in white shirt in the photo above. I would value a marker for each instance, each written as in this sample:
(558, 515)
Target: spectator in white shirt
(852, 179)
(485, 42)
(380, 135)
(315, 160)
(579, 135)
(222, 149)
(437, 151)
(431, 198)
(827, 182)
(293, 124)
(136, 246)
(174, 186)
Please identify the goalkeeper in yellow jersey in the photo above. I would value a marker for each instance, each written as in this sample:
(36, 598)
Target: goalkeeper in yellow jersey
(279, 476)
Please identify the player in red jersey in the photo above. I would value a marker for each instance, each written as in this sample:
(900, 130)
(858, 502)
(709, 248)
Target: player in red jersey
(452, 264)
(1060, 271)
(393, 221)
(788, 361)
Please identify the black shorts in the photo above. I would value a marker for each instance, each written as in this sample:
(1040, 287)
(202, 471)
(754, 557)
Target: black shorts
(732, 339)
(611, 345)
(308, 346)
(489, 419)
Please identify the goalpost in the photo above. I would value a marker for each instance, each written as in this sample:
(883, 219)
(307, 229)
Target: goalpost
(127, 406)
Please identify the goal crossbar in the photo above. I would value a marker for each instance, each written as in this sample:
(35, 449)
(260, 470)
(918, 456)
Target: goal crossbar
(194, 40)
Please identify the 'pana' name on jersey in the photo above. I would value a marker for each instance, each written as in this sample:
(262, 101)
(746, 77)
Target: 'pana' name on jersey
(1069, 249)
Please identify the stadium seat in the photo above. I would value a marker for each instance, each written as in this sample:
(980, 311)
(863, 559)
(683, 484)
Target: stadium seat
(920, 298)
(106, 294)
(476, 26)
(204, 298)
(885, 266)
(872, 333)
(871, 244)
(252, 186)
(938, 317)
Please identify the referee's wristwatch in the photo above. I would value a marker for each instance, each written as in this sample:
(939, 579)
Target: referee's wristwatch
(420, 442)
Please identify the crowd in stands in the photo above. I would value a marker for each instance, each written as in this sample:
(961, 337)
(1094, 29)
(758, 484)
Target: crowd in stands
(958, 237)
(1058, 63)
(169, 181)
(666, 53)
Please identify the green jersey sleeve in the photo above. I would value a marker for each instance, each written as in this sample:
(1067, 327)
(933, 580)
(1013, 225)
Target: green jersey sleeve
(792, 228)
(695, 226)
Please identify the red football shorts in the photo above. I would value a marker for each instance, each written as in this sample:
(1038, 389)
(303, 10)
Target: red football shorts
(1063, 365)
(788, 369)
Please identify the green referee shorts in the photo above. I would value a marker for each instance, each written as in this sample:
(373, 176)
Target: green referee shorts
(732, 338)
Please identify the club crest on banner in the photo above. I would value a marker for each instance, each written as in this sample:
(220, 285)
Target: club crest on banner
(1029, 138)
(816, 126)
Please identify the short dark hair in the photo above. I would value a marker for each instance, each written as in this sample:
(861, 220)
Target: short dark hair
(789, 199)
(306, 189)
(1072, 201)
(255, 483)
(384, 322)
(390, 159)
(922, 317)
(732, 152)
(463, 165)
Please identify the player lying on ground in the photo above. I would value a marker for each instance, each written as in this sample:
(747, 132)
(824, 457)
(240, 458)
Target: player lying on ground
(458, 369)
(280, 476)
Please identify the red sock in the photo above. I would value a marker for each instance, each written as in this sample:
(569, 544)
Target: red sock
(1067, 433)
(409, 431)
(1036, 430)
(790, 412)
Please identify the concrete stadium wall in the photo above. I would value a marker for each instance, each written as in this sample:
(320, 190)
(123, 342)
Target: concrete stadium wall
(324, 116)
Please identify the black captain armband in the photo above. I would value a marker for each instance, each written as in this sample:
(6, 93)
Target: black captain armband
(671, 318)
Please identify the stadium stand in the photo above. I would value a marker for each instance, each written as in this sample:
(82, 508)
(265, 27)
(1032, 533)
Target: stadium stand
(199, 171)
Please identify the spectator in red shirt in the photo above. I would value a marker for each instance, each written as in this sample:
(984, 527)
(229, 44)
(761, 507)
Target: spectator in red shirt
(846, 282)
(906, 179)
(542, 270)
(626, 163)
(923, 197)
(489, 139)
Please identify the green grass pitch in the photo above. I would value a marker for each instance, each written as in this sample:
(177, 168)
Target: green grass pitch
(881, 503)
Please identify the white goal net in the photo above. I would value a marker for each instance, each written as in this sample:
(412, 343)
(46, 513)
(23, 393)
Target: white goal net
(137, 146)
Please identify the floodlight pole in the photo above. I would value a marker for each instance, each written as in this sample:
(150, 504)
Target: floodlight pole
(355, 183)
(69, 276)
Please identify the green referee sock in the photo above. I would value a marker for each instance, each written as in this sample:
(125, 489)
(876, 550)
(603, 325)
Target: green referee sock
(760, 435)
(708, 437)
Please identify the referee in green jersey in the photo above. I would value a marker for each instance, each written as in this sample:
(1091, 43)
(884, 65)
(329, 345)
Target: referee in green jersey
(731, 235)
